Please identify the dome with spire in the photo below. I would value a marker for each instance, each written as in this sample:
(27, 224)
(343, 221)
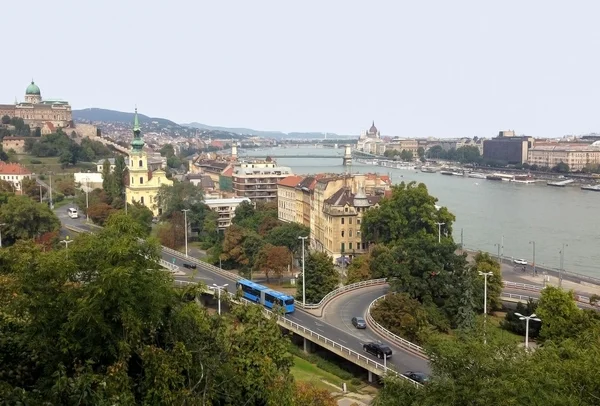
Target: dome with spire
(373, 129)
(360, 198)
(137, 144)
(33, 89)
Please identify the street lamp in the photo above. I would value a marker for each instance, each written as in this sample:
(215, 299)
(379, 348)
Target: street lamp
(527, 318)
(303, 276)
(440, 231)
(40, 186)
(533, 242)
(66, 241)
(219, 293)
(50, 197)
(485, 276)
(87, 203)
(498, 245)
(186, 227)
(562, 264)
(1, 225)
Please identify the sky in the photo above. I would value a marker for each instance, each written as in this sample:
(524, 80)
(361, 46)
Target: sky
(417, 68)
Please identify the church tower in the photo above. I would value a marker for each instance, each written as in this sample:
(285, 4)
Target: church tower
(143, 183)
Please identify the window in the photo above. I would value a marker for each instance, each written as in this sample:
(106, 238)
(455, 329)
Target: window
(342, 220)
(140, 163)
(349, 245)
(132, 180)
(343, 247)
(142, 200)
(342, 233)
(141, 180)
(350, 233)
(357, 221)
(350, 220)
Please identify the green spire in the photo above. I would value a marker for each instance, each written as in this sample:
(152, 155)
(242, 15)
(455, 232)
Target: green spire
(137, 144)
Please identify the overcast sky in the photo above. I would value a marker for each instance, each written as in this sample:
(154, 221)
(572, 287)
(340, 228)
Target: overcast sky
(418, 68)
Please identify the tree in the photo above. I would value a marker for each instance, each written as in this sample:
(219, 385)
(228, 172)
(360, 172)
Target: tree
(436, 152)
(26, 219)
(406, 155)
(173, 199)
(38, 132)
(172, 234)
(233, 248)
(272, 261)
(485, 263)
(421, 153)
(403, 316)
(142, 216)
(359, 270)
(99, 213)
(119, 176)
(321, 277)
(468, 154)
(5, 120)
(310, 395)
(514, 323)
(561, 167)
(409, 213)
(107, 179)
(559, 314)
(287, 234)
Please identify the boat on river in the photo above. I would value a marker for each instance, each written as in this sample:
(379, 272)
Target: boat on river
(593, 188)
(477, 175)
(429, 169)
(523, 179)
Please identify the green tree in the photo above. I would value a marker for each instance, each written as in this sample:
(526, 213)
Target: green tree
(485, 263)
(272, 261)
(26, 219)
(559, 314)
(406, 155)
(107, 179)
(403, 316)
(421, 153)
(5, 120)
(321, 277)
(119, 176)
(561, 167)
(142, 216)
(468, 154)
(409, 213)
(180, 196)
(359, 270)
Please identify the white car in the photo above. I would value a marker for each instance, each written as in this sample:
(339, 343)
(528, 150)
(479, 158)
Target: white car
(520, 261)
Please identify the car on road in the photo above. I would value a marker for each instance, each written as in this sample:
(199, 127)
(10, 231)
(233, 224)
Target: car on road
(418, 377)
(520, 261)
(359, 322)
(379, 350)
(190, 266)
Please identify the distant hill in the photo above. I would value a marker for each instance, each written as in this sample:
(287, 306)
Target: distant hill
(265, 134)
(112, 116)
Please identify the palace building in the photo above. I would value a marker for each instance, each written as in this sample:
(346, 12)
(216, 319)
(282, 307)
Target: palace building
(45, 114)
(143, 183)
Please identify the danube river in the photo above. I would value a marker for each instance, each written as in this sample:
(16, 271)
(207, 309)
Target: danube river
(487, 210)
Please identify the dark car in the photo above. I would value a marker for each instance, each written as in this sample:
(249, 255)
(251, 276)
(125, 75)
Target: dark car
(189, 266)
(359, 322)
(379, 350)
(419, 377)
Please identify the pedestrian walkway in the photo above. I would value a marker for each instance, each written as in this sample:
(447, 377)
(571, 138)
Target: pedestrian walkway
(584, 288)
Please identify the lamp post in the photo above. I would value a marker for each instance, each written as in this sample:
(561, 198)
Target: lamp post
(562, 264)
(303, 276)
(1, 225)
(66, 241)
(440, 231)
(485, 276)
(502, 251)
(40, 186)
(87, 202)
(533, 243)
(186, 227)
(498, 245)
(527, 318)
(50, 197)
(219, 293)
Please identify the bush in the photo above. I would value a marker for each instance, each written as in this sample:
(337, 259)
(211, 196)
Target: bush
(512, 322)
(58, 197)
(35, 161)
(321, 363)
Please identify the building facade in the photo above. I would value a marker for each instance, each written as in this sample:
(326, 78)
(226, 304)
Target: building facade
(289, 199)
(38, 112)
(576, 155)
(14, 174)
(370, 141)
(225, 209)
(257, 180)
(142, 183)
(400, 145)
(17, 144)
(507, 148)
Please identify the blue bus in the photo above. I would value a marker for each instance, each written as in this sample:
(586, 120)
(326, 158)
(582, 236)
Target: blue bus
(267, 297)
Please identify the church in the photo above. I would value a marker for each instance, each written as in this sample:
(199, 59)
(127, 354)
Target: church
(143, 183)
(45, 114)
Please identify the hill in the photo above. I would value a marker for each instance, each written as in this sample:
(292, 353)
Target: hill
(266, 134)
(113, 116)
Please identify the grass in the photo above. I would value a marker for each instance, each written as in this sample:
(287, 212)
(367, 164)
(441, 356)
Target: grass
(50, 164)
(307, 372)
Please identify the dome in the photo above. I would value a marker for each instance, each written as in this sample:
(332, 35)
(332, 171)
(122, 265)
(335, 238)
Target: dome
(360, 198)
(372, 130)
(33, 89)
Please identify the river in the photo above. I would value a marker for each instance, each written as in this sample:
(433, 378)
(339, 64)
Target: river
(487, 210)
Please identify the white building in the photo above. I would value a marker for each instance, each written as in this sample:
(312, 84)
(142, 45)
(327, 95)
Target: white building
(14, 174)
(225, 208)
(88, 180)
(371, 142)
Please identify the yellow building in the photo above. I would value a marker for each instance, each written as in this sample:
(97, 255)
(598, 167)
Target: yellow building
(287, 199)
(142, 182)
(576, 155)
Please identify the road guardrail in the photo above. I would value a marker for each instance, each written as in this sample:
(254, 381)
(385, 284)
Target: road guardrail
(339, 291)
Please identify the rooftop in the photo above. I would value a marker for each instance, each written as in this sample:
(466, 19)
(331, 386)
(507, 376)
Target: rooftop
(291, 181)
(13, 169)
(345, 197)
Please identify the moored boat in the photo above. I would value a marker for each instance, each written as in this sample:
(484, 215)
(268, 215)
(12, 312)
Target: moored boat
(477, 175)
(593, 188)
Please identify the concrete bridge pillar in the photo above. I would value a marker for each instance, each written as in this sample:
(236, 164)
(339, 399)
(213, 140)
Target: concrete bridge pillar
(347, 155)
(370, 376)
(309, 346)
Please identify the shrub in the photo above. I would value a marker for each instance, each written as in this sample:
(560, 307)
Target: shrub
(35, 161)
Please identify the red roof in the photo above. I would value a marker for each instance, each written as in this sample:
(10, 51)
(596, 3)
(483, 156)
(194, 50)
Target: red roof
(13, 169)
(50, 126)
(228, 171)
(291, 181)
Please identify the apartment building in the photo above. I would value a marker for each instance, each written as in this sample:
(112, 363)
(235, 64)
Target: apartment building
(576, 155)
(225, 209)
(400, 145)
(289, 199)
(257, 180)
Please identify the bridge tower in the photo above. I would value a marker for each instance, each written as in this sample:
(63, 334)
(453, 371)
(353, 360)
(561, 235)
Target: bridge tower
(234, 151)
(347, 155)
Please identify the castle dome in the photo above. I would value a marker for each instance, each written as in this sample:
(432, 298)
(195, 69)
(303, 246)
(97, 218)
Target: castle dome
(33, 89)
(373, 129)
